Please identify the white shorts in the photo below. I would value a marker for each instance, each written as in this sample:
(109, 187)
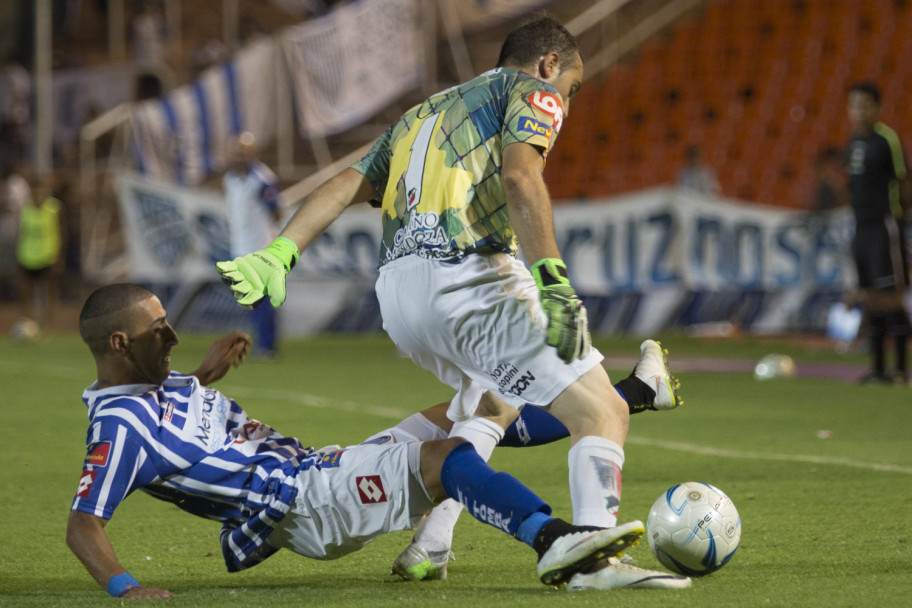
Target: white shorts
(368, 491)
(478, 326)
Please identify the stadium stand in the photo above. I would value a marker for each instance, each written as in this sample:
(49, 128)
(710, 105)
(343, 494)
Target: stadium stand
(759, 86)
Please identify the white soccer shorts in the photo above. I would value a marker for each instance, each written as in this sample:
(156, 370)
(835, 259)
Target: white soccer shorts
(361, 492)
(478, 326)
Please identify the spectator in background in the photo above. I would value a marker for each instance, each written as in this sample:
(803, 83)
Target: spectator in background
(149, 36)
(697, 176)
(830, 191)
(14, 194)
(252, 193)
(15, 110)
(879, 192)
(38, 251)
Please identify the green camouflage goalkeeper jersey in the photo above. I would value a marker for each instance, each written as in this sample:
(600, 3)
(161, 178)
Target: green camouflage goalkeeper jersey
(438, 167)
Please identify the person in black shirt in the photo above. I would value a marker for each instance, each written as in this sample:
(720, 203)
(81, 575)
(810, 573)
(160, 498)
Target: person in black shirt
(879, 195)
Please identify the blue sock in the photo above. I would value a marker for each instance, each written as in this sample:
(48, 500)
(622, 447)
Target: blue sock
(494, 498)
(535, 426)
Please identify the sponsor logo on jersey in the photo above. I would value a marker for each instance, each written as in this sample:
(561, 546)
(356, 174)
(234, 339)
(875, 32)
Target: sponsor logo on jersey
(485, 513)
(370, 489)
(530, 125)
(213, 413)
(510, 380)
(85, 483)
(98, 454)
(169, 412)
(549, 104)
(331, 460)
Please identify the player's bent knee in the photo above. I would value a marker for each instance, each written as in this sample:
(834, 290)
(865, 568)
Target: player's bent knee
(433, 455)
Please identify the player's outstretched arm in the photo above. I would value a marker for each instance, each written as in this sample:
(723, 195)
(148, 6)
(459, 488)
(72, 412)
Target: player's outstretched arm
(262, 273)
(88, 540)
(222, 355)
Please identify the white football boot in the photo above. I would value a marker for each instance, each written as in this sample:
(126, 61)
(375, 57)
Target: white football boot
(416, 564)
(652, 368)
(619, 575)
(580, 550)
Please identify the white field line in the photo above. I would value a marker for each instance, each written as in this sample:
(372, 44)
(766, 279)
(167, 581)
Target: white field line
(386, 412)
(248, 396)
(243, 394)
(710, 451)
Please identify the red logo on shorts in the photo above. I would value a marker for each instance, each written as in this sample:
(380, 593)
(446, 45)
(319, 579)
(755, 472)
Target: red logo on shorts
(98, 454)
(370, 489)
(85, 483)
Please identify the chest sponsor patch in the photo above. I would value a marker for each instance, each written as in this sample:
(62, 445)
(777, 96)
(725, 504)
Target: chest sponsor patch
(370, 489)
(98, 454)
(85, 483)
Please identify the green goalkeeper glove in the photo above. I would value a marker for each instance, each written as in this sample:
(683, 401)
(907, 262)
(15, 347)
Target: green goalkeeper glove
(568, 325)
(254, 276)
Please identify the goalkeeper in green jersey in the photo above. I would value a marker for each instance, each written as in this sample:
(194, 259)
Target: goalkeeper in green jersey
(458, 179)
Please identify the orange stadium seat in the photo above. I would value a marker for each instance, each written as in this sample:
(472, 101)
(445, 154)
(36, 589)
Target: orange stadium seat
(742, 79)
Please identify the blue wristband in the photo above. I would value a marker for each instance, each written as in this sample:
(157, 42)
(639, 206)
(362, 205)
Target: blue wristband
(119, 585)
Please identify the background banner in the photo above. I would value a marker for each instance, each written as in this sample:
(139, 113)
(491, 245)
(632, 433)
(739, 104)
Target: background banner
(185, 136)
(642, 263)
(351, 63)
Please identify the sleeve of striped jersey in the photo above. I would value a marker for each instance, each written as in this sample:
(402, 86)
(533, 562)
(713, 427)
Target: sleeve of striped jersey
(374, 166)
(116, 464)
(534, 114)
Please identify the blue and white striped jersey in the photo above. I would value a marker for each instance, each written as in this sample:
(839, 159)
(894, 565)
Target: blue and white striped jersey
(192, 446)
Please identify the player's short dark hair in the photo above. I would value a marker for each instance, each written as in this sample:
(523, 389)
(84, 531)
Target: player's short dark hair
(107, 307)
(539, 35)
(868, 88)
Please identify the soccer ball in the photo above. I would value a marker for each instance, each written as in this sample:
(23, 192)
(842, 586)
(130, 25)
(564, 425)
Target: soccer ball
(693, 529)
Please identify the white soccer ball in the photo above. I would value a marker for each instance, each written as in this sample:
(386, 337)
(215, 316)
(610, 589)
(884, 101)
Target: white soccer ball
(693, 528)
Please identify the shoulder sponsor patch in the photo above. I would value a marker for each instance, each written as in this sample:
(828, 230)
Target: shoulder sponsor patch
(370, 489)
(550, 104)
(98, 454)
(85, 484)
(530, 125)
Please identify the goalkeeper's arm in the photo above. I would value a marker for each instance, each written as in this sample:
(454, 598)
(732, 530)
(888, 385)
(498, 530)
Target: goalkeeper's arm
(254, 276)
(529, 206)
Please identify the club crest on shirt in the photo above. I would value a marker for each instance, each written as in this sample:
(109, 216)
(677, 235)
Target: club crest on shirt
(370, 489)
(98, 454)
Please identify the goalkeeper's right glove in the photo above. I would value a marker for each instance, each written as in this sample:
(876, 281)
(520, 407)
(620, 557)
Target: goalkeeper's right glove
(254, 276)
(568, 325)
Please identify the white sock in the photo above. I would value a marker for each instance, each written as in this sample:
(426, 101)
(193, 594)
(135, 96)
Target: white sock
(435, 533)
(414, 428)
(595, 481)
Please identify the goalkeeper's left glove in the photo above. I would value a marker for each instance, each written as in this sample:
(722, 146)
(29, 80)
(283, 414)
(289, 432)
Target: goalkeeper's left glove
(568, 325)
(254, 276)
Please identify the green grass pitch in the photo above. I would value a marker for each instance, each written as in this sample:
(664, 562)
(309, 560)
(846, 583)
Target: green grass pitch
(826, 522)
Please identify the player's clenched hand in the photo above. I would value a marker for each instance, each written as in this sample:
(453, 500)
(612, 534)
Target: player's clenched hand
(221, 356)
(254, 276)
(568, 325)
